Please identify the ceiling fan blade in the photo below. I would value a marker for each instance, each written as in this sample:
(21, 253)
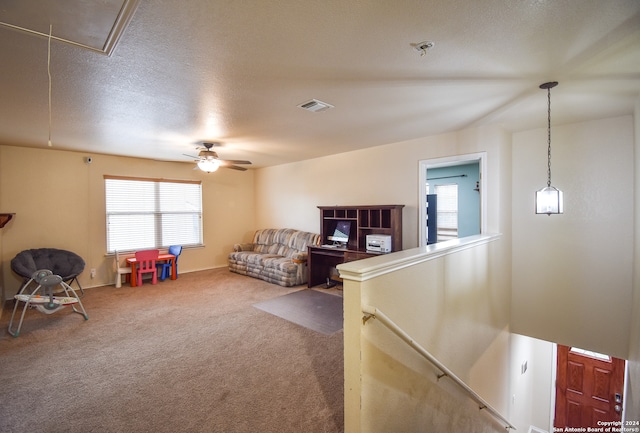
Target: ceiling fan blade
(191, 156)
(234, 167)
(235, 161)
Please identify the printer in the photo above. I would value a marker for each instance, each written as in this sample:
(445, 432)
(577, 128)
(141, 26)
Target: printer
(379, 243)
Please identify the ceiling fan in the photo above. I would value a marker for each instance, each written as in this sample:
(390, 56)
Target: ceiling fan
(208, 161)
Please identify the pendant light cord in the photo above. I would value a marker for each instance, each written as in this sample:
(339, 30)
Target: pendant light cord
(549, 137)
(49, 74)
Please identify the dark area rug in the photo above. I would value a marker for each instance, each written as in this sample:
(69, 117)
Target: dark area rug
(320, 312)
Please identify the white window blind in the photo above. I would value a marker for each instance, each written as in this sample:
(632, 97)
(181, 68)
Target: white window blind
(447, 211)
(152, 213)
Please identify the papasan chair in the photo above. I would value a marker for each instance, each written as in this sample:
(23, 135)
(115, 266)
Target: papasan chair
(51, 270)
(61, 262)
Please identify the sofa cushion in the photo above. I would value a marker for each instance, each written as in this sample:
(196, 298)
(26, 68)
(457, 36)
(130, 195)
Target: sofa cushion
(280, 263)
(283, 242)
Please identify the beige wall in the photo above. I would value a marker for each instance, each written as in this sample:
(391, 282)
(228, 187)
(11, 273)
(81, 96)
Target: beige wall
(288, 195)
(632, 397)
(59, 202)
(2, 290)
(572, 273)
(461, 318)
(473, 334)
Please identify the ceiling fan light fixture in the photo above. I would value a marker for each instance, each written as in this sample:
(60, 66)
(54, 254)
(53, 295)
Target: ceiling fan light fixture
(207, 160)
(208, 165)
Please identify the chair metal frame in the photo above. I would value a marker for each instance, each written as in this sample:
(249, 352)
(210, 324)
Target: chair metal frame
(75, 278)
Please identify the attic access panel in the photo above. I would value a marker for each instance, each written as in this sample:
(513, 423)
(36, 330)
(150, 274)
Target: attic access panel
(95, 25)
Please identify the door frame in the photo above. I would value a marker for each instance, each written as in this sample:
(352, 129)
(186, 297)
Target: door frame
(450, 161)
(554, 375)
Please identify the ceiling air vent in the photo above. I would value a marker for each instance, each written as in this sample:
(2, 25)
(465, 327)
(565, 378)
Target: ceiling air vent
(315, 106)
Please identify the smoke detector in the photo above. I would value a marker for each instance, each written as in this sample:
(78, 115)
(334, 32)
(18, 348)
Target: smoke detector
(315, 106)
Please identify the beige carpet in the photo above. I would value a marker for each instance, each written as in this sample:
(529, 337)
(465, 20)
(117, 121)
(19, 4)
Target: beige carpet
(190, 355)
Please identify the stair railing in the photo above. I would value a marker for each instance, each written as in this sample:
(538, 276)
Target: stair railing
(372, 312)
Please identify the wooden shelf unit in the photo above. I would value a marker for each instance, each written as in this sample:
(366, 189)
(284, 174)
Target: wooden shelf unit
(365, 220)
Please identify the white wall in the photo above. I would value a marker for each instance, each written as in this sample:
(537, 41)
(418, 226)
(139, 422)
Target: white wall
(59, 202)
(572, 273)
(531, 390)
(632, 395)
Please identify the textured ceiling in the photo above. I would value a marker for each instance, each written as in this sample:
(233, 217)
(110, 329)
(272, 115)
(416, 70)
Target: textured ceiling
(92, 25)
(234, 72)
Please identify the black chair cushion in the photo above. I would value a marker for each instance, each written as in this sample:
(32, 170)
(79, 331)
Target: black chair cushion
(64, 263)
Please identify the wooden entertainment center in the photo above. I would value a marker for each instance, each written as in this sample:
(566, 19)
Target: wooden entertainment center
(364, 220)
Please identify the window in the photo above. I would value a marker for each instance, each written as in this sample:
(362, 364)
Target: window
(152, 213)
(472, 192)
(447, 211)
(595, 355)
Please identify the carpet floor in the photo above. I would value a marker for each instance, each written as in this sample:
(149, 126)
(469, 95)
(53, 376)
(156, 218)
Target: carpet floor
(190, 355)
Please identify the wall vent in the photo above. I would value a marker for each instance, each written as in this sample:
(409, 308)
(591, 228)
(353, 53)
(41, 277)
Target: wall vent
(315, 106)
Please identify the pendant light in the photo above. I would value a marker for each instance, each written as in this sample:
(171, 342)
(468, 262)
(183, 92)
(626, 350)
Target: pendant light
(549, 199)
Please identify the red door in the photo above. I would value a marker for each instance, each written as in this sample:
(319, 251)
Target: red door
(588, 389)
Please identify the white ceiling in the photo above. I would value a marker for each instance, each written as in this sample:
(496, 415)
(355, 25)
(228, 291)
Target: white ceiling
(235, 71)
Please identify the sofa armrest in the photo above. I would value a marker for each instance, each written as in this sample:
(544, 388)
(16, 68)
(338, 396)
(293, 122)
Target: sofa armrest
(243, 247)
(299, 258)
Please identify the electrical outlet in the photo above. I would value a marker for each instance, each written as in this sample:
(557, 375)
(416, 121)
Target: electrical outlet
(93, 272)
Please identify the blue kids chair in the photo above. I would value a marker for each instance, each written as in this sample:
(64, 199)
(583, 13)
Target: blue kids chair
(164, 268)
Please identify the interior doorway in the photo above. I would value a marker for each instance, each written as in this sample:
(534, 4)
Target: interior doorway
(589, 388)
(463, 174)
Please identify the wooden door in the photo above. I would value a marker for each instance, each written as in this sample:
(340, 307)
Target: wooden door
(588, 389)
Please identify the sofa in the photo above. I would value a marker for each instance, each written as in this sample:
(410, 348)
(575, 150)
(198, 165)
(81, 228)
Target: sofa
(278, 256)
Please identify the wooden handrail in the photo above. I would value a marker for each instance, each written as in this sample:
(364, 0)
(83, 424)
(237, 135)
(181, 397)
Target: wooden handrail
(373, 312)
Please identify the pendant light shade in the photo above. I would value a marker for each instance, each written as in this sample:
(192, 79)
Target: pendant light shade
(549, 200)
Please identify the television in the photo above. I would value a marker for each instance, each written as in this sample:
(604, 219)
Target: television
(341, 233)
